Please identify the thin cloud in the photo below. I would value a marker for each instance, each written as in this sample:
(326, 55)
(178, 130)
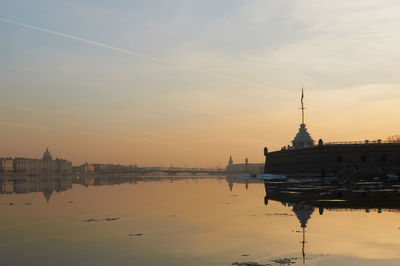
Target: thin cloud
(81, 39)
(11, 124)
(253, 84)
(129, 52)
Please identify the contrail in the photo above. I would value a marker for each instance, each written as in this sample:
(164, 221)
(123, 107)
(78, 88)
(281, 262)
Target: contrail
(11, 124)
(81, 39)
(215, 74)
(129, 52)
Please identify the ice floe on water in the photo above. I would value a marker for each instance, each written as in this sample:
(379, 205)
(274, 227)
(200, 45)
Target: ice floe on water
(105, 219)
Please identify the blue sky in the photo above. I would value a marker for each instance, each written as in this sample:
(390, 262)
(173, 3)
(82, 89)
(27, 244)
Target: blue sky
(220, 66)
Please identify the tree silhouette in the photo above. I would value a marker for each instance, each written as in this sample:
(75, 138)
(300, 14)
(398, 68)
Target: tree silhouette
(394, 138)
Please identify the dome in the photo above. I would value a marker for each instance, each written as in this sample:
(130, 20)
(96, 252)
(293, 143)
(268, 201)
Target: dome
(303, 138)
(47, 156)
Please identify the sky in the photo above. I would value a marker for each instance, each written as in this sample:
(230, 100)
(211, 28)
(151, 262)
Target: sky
(189, 83)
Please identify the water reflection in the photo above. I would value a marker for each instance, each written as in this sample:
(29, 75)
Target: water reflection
(306, 196)
(188, 220)
(47, 185)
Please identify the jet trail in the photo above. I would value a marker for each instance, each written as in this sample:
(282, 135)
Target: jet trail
(215, 74)
(129, 52)
(81, 39)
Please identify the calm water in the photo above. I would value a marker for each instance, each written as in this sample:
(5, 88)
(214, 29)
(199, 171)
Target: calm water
(185, 221)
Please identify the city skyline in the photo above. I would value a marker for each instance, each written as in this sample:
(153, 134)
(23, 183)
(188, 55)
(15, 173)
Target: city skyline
(160, 83)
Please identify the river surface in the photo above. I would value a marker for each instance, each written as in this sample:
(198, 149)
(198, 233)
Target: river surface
(183, 221)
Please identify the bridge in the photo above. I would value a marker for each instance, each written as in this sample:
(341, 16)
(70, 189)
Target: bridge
(175, 171)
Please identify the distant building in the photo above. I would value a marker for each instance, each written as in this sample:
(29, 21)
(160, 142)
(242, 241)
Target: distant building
(6, 165)
(35, 166)
(84, 168)
(246, 167)
(104, 168)
(100, 167)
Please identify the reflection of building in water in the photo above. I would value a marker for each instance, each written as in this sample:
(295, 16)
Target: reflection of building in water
(246, 167)
(380, 195)
(232, 179)
(303, 213)
(35, 166)
(46, 185)
(306, 196)
(47, 193)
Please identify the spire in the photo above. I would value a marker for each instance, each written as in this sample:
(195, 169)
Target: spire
(303, 138)
(302, 105)
(230, 160)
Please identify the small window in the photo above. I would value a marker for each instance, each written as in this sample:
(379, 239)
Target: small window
(339, 158)
(363, 158)
(384, 158)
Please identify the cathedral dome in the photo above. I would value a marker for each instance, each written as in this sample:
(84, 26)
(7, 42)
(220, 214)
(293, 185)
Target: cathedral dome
(47, 156)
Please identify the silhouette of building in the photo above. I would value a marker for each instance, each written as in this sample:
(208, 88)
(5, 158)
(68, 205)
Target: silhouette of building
(246, 167)
(343, 159)
(84, 168)
(47, 156)
(302, 138)
(36, 166)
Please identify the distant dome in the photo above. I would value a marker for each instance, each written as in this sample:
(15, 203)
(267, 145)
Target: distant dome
(303, 138)
(47, 156)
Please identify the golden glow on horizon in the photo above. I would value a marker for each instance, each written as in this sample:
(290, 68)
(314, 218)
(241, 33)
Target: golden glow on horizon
(337, 115)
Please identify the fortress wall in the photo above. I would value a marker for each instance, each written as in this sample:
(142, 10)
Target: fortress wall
(332, 159)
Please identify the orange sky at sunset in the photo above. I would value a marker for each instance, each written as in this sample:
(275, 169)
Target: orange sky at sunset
(190, 84)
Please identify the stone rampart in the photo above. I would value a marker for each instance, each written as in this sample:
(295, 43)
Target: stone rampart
(332, 159)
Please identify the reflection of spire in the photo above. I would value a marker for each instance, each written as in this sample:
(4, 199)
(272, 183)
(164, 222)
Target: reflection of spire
(303, 213)
(303, 244)
(47, 194)
(230, 185)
